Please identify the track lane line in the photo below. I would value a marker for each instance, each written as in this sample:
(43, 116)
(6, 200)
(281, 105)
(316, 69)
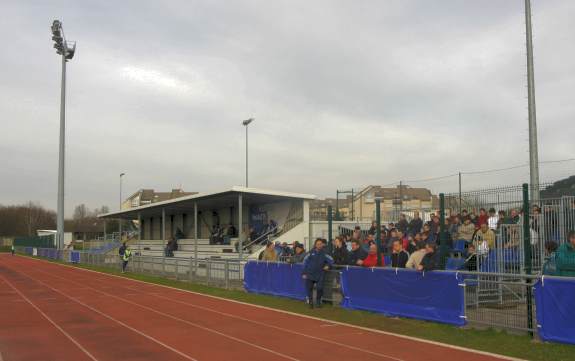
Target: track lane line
(385, 356)
(282, 329)
(244, 342)
(108, 317)
(371, 330)
(49, 320)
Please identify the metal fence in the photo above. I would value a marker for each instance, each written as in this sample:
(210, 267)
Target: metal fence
(500, 300)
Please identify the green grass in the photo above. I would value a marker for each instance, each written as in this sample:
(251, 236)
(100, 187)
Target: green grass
(489, 340)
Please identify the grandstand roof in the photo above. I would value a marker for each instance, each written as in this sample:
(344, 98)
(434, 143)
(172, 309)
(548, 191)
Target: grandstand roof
(209, 200)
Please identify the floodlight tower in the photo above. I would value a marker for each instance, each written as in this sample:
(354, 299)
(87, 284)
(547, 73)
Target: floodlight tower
(245, 123)
(67, 51)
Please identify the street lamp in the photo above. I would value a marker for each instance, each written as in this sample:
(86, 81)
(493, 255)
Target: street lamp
(67, 51)
(246, 123)
(120, 220)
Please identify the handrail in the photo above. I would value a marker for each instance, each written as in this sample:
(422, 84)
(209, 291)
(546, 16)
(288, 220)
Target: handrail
(260, 238)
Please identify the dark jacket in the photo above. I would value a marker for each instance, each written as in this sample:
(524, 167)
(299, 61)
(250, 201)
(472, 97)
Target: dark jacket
(402, 225)
(340, 256)
(415, 226)
(398, 260)
(354, 256)
(298, 258)
(314, 263)
(121, 250)
(430, 261)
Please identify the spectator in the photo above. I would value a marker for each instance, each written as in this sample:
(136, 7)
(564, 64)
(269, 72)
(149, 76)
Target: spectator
(122, 249)
(434, 225)
(125, 258)
(389, 241)
(269, 254)
(493, 219)
(484, 239)
(415, 224)
(453, 228)
(471, 260)
(368, 241)
(411, 245)
(399, 257)
(466, 230)
(429, 236)
(430, 261)
(179, 234)
(501, 220)
(299, 254)
(416, 257)
(565, 257)
(356, 233)
(339, 252)
(373, 228)
(464, 214)
(550, 265)
(402, 225)
(357, 254)
(314, 266)
(371, 259)
(402, 237)
(286, 250)
(483, 218)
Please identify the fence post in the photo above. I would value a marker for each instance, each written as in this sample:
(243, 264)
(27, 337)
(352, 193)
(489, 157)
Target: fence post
(191, 271)
(378, 229)
(329, 227)
(527, 256)
(443, 249)
(227, 274)
(208, 271)
(164, 266)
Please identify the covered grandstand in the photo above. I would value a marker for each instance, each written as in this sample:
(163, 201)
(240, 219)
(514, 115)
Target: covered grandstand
(197, 218)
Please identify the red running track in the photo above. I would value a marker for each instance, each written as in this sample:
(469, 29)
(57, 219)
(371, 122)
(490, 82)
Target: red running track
(55, 312)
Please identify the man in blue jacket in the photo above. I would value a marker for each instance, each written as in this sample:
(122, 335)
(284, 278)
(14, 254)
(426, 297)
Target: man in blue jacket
(314, 266)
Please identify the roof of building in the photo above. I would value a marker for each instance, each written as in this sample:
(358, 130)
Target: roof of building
(254, 193)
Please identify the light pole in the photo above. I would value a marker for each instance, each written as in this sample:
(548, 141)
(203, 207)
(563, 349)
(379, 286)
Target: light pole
(246, 123)
(67, 52)
(120, 220)
(533, 148)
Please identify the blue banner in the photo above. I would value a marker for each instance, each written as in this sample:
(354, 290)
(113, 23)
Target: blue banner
(433, 296)
(555, 304)
(277, 279)
(75, 257)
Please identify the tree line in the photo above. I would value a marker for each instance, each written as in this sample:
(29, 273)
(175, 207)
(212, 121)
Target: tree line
(26, 219)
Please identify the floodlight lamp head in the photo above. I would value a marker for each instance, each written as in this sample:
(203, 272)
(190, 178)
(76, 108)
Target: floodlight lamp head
(56, 27)
(248, 121)
(70, 51)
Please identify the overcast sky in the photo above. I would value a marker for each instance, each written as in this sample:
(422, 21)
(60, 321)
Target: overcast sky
(345, 93)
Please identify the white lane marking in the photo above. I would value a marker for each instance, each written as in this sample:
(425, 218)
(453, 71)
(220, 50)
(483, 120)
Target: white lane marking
(285, 329)
(113, 319)
(49, 320)
(183, 321)
(329, 325)
(381, 332)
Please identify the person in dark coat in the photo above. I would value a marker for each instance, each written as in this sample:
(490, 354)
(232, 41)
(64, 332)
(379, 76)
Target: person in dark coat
(415, 224)
(339, 252)
(357, 254)
(399, 257)
(430, 261)
(402, 225)
(314, 266)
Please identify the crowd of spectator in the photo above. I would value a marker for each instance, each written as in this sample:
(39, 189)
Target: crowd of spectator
(416, 244)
